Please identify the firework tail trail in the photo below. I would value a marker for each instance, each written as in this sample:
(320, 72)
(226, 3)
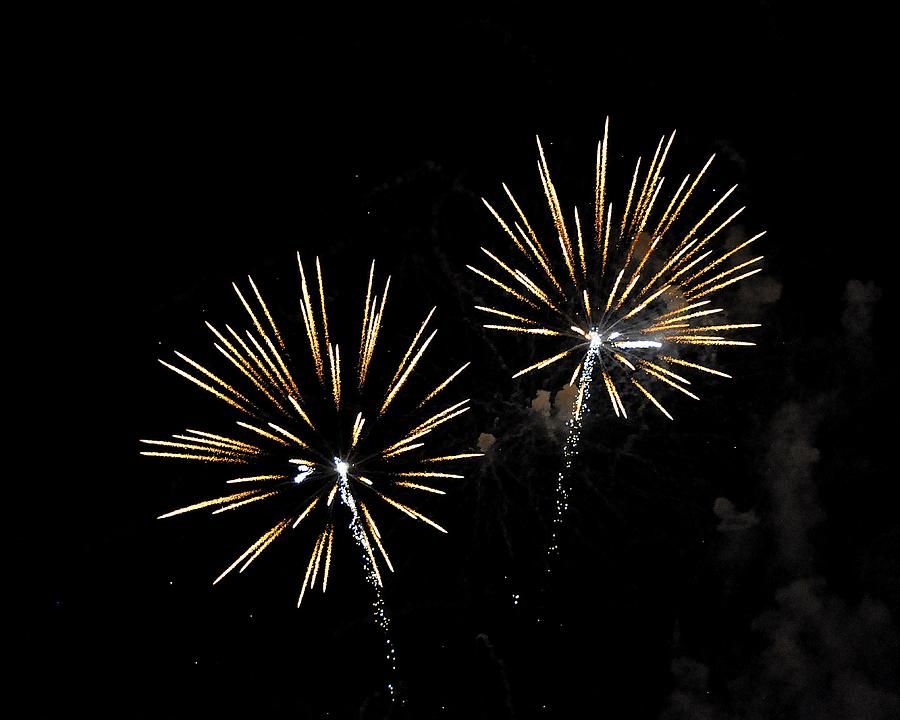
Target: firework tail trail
(379, 611)
(571, 450)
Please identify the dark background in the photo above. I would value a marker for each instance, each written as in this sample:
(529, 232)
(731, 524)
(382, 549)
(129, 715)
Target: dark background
(740, 563)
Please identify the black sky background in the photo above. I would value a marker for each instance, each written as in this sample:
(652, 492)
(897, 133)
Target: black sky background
(739, 563)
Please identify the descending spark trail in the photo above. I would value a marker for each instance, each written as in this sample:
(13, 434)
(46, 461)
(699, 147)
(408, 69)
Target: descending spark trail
(623, 301)
(311, 443)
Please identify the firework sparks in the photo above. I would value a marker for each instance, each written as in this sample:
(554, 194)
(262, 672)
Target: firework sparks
(624, 304)
(313, 452)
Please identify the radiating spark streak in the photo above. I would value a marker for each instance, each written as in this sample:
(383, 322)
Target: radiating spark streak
(272, 535)
(301, 412)
(600, 193)
(365, 322)
(214, 443)
(214, 378)
(708, 328)
(506, 229)
(680, 318)
(612, 293)
(324, 536)
(248, 372)
(575, 373)
(533, 288)
(257, 478)
(544, 363)
(309, 567)
(627, 290)
(615, 395)
(678, 311)
(643, 261)
(634, 344)
(664, 371)
(672, 383)
(587, 304)
(289, 435)
(439, 414)
(694, 340)
(276, 373)
(428, 473)
(306, 512)
(723, 274)
(695, 366)
(723, 258)
(209, 503)
(322, 304)
(412, 513)
(708, 214)
(634, 178)
(262, 304)
(622, 359)
(259, 363)
(556, 210)
(526, 330)
(444, 384)
(581, 259)
(685, 268)
(646, 302)
(309, 321)
(651, 398)
(567, 255)
(357, 429)
(446, 458)
(501, 313)
(205, 458)
(334, 356)
(331, 495)
(609, 390)
(406, 373)
(233, 452)
(259, 328)
(206, 387)
(260, 431)
(531, 233)
(416, 486)
(665, 216)
(714, 288)
(327, 560)
(241, 503)
(695, 247)
(405, 448)
(376, 536)
(606, 240)
(377, 540)
(412, 345)
(262, 539)
(503, 287)
(651, 175)
(223, 439)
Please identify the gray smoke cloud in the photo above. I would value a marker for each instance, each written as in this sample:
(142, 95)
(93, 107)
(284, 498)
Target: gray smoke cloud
(824, 657)
(730, 520)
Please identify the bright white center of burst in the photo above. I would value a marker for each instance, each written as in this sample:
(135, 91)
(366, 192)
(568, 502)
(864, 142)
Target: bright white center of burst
(595, 339)
(341, 468)
(303, 472)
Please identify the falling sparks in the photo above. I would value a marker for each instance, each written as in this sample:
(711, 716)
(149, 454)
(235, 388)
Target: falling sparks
(310, 444)
(623, 304)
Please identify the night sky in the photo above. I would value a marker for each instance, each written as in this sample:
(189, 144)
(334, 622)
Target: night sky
(740, 563)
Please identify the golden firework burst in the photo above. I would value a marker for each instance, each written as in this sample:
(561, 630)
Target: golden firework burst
(314, 448)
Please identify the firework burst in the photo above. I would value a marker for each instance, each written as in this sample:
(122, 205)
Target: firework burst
(329, 451)
(623, 294)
